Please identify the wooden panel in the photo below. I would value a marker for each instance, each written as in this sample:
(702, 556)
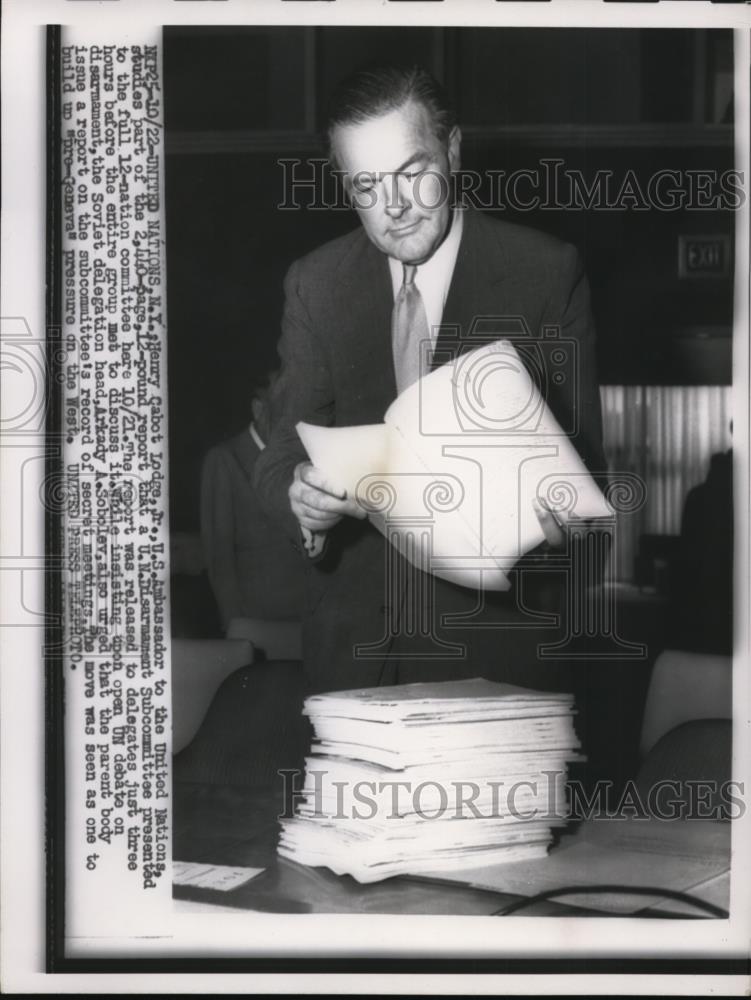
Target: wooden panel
(222, 79)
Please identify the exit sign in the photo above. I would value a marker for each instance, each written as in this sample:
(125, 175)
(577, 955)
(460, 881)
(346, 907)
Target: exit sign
(703, 256)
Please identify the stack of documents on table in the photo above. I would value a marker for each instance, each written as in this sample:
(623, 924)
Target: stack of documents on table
(439, 777)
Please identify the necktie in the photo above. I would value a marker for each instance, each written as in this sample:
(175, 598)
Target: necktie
(409, 328)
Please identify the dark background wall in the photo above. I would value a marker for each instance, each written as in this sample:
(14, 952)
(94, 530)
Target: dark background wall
(238, 100)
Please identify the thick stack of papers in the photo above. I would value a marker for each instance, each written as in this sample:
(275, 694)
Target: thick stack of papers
(431, 778)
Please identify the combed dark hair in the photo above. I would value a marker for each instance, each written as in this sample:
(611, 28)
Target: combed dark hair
(379, 88)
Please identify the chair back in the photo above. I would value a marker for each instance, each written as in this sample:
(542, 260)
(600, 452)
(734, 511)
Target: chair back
(198, 668)
(684, 687)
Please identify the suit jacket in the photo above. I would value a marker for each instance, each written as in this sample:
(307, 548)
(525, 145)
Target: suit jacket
(337, 370)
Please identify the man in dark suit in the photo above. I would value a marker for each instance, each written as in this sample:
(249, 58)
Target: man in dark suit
(350, 312)
(255, 572)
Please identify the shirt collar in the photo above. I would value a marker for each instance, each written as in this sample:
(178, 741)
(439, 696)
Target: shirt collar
(438, 269)
(256, 437)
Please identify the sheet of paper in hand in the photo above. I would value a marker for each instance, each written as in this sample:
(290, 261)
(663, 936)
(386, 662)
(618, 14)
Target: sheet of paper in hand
(453, 474)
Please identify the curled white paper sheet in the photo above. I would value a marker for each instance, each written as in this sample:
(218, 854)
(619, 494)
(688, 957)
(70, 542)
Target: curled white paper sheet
(453, 474)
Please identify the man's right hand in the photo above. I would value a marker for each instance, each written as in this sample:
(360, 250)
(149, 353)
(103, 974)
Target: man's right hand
(316, 504)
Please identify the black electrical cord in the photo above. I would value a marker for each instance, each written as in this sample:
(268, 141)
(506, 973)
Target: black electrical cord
(634, 890)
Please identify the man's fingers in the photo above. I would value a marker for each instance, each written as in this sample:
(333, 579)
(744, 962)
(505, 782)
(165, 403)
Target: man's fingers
(552, 528)
(312, 495)
(311, 517)
(316, 499)
(312, 476)
(316, 518)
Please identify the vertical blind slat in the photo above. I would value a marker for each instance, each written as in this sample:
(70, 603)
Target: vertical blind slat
(666, 435)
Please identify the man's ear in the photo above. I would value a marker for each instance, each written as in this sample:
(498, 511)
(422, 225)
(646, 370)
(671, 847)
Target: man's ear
(454, 148)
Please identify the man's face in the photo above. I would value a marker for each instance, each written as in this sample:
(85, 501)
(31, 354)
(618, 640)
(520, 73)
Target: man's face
(397, 173)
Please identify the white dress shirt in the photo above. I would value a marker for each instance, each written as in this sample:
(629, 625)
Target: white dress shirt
(433, 278)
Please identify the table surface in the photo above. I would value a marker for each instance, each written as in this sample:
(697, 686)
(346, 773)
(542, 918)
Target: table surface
(231, 825)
